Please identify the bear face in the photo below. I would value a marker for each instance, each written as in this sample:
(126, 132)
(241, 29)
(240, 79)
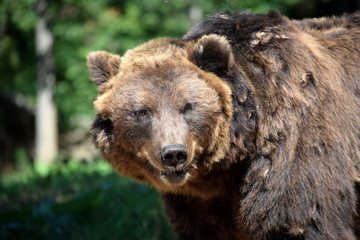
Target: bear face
(157, 119)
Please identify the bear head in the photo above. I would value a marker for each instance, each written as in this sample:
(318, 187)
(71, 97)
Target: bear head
(164, 111)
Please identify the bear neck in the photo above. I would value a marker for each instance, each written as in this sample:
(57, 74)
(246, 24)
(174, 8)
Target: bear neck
(244, 120)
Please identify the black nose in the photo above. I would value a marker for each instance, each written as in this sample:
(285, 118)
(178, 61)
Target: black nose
(173, 155)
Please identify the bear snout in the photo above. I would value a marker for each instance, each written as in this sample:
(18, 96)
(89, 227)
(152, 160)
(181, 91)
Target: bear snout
(174, 155)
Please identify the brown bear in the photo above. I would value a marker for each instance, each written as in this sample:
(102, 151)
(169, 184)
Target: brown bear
(249, 126)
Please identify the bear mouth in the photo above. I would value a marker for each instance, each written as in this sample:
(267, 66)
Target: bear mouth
(175, 177)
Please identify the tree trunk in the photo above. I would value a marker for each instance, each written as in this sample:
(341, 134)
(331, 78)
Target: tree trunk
(195, 14)
(46, 141)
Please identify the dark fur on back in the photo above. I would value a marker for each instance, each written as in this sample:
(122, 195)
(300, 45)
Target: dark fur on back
(304, 77)
(239, 24)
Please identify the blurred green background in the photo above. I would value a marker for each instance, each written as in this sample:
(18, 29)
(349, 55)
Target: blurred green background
(76, 195)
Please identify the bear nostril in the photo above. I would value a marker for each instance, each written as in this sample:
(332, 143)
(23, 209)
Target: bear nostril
(170, 158)
(181, 157)
(174, 155)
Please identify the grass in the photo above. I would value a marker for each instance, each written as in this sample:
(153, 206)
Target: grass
(79, 201)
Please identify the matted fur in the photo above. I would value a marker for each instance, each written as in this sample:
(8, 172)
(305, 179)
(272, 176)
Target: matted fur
(273, 132)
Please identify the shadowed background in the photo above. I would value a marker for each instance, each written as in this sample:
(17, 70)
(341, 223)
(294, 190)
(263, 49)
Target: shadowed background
(53, 184)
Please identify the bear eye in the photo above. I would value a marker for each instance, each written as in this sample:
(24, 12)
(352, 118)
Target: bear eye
(143, 113)
(188, 107)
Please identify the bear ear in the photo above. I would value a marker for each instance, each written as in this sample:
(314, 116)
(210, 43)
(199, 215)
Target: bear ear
(102, 66)
(212, 53)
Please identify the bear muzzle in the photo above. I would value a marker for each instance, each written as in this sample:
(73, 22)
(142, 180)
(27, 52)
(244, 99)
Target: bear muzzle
(174, 157)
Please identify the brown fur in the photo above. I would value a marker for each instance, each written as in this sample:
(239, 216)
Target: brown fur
(269, 112)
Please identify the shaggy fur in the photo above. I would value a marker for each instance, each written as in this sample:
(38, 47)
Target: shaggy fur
(268, 110)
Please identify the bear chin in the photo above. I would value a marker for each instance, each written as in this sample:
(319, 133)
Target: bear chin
(175, 178)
